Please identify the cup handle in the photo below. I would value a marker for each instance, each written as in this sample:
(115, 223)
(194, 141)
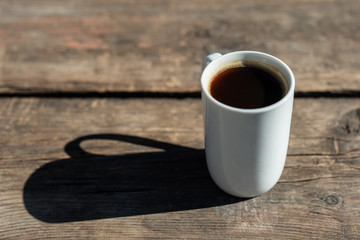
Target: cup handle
(208, 59)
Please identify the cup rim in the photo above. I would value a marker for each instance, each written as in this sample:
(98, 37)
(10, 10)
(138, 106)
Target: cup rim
(284, 99)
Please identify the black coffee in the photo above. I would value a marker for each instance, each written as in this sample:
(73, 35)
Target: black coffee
(247, 86)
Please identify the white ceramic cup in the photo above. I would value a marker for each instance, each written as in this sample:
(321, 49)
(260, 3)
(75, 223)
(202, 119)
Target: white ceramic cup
(246, 148)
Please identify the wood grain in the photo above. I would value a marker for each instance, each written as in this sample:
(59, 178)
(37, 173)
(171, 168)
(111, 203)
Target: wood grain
(60, 157)
(157, 46)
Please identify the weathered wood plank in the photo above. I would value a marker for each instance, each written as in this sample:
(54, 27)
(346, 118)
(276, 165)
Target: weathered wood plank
(133, 188)
(99, 46)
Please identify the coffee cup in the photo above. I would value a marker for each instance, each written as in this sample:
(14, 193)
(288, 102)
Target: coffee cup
(246, 137)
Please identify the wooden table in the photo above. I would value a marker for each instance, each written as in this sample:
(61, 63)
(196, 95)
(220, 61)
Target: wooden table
(101, 121)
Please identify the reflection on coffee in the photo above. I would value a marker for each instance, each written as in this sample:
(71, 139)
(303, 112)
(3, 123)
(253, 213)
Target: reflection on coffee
(248, 85)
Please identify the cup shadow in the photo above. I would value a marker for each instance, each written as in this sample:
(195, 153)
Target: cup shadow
(88, 186)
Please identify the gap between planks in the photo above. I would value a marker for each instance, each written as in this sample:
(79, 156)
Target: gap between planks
(158, 95)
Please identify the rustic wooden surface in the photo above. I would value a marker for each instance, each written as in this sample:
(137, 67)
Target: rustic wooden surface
(157, 45)
(101, 128)
(137, 168)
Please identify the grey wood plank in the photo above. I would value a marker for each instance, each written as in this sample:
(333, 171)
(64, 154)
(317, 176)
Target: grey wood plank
(134, 168)
(158, 45)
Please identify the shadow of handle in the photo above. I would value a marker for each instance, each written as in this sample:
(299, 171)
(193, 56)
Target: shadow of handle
(74, 150)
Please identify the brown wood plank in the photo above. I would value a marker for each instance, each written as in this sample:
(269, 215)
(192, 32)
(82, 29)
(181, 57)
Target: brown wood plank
(100, 46)
(140, 173)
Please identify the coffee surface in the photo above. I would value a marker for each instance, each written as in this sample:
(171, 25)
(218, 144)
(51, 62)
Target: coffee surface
(247, 87)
